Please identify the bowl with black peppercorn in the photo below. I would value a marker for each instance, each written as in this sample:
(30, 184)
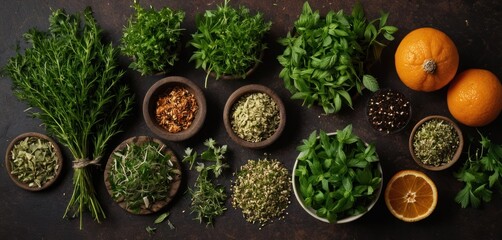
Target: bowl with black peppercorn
(254, 116)
(388, 111)
(174, 108)
(436, 143)
(34, 161)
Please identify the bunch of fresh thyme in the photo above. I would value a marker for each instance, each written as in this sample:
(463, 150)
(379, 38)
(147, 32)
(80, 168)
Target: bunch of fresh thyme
(208, 199)
(71, 77)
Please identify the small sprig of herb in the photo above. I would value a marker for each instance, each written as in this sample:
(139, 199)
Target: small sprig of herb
(481, 173)
(152, 38)
(338, 175)
(208, 199)
(228, 40)
(325, 60)
(141, 175)
(160, 219)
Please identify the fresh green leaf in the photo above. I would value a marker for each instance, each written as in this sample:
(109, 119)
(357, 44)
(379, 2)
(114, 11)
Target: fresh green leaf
(370, 83)
(161, 218)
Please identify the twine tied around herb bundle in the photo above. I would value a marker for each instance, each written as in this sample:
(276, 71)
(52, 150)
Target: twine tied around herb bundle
(84, 162)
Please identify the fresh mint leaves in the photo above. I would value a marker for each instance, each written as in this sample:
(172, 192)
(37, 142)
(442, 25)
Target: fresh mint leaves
(325, 60)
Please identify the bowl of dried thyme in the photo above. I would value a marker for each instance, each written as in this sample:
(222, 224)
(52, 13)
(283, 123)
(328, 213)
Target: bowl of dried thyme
(436, 143)
(254, 116)
(142, 175)
(34, 161)
(174, 108)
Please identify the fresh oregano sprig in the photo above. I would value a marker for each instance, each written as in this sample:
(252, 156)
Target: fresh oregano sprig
(481, 173)
(208, 199)
(228, 40)
(71, 79)
(326, 59)
(338, 175)
(152, 38)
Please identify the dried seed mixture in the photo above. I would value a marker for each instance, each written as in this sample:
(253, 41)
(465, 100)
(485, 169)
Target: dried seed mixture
(255, 117)
(176, 110)
(388, 111)
(34, 161)
(435, 142)
(261, 190)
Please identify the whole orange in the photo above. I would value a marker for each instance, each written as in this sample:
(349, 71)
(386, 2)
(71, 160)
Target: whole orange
(475, 97)
(426, 59)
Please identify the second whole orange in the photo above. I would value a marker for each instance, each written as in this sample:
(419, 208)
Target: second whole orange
(475, 97)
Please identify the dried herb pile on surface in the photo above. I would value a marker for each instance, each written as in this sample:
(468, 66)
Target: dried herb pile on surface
(326, 59)
(70, 78)
(208, 198)
(261, 190)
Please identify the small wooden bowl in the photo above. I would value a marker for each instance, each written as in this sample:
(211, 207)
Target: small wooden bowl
(175, 184)
(150, 104)
(235, 96)
(457, 154)
(8, 157)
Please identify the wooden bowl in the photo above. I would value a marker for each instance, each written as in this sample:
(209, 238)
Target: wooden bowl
(173, 188)
(457, 154)
(8, 159)
(227, 112)
(160, 88)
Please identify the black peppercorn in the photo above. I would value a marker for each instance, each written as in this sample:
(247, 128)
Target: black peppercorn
(388, 111)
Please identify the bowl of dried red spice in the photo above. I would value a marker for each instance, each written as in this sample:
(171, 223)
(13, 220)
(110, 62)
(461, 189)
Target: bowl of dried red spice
(436, 143)
(174, 108)
(254, 116)
(388, 111)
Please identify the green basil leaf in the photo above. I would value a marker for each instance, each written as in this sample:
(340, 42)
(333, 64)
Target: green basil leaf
(370, 83)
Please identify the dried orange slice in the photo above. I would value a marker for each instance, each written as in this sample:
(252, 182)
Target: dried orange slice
(411, 195)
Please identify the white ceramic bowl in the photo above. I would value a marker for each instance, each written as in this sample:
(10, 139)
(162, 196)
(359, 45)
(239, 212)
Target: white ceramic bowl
(312, 211)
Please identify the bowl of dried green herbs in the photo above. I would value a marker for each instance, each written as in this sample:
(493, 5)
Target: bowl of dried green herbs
(174, 108)
(436, 143)
(254, 116)
(142, 175)
(337, 177)
(229, 41)
(33, 161)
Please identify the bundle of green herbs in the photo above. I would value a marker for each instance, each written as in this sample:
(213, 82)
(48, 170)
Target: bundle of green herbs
(338, 175)
(208, 198)
(71, 77)
(261, 190)
(228, 41)
(152, 38)
(141, 175)
(325, 60)
(481, 173)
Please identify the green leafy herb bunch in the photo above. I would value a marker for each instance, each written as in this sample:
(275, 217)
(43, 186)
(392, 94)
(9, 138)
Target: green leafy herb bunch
(228, 41)
(481, 173)
(326, 59)
(71, 80)
(152, 38)
(337, 175)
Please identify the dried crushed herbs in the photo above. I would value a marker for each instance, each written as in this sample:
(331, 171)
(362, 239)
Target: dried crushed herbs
(261, 190)
(388, 111)
(34, 161)
(176, 110)
(141, 175)
(255, 117)
(435, 142)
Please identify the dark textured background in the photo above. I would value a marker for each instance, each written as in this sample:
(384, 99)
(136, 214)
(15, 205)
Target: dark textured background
(475, 27)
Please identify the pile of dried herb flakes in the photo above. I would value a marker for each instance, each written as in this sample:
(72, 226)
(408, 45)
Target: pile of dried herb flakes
(261, 190)
(255, 117)
(34, 161)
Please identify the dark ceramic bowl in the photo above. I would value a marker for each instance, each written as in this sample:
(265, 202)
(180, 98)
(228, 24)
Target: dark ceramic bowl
(8, 159)
(457, 154)
(160, 88)
(234, 97)
(388, 116)
(173, 188)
